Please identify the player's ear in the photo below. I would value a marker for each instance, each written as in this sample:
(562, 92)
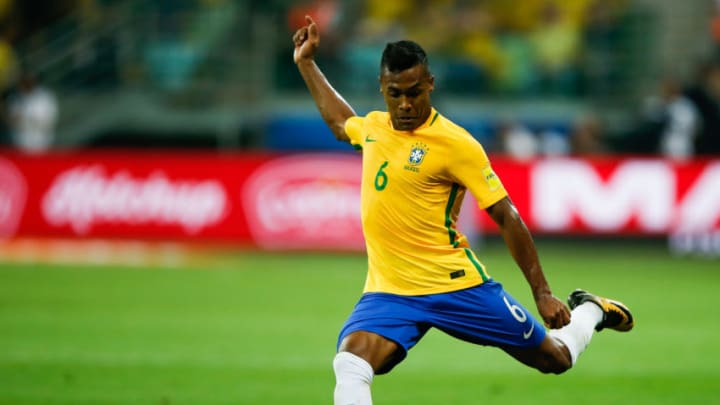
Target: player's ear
(431, 80)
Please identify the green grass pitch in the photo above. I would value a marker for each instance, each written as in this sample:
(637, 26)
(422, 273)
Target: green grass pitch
(254, 328)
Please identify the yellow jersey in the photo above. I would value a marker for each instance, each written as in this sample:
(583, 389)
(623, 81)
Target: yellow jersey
(413, 184)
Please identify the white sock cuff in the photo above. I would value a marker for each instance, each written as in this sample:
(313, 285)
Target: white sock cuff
(576, 335)
(353, 376)
(346, 362)
(569, 340)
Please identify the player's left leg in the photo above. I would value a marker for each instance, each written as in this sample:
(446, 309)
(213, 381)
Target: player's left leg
(488, 315)
(552, 356)
(561, 347)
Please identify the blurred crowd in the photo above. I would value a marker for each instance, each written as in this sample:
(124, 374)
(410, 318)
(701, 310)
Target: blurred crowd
(487, 49)
(679, 120)
(545, 47)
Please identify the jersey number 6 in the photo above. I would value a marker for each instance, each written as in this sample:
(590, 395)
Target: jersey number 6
(515, 310)
(381, 178)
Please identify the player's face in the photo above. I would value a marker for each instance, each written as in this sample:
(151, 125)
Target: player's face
(407, 95)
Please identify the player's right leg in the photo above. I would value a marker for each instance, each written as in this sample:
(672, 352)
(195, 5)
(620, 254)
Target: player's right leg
(360, 355)
(375, 338)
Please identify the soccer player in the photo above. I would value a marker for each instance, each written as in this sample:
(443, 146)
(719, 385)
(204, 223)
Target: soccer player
(422, 273)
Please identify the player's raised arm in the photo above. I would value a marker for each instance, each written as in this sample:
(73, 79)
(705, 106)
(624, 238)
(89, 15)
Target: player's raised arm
(333, 107)
(522, 248)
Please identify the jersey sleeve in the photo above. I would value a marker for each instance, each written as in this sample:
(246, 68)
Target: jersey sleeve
(353, 129)
(470, 167)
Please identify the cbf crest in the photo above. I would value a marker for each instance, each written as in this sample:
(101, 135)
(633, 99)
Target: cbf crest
(417, 153)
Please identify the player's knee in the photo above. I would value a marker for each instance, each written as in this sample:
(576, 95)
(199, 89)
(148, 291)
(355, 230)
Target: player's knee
(351, 369)
(555, 364)
(353, 376)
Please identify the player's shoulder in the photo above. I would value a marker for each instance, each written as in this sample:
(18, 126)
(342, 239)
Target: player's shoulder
(355, 126)
(451, 128)
(376, 117)
(372, 118)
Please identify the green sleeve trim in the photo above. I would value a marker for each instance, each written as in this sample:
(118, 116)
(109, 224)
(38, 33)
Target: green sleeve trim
(478, 266)
(452, 234)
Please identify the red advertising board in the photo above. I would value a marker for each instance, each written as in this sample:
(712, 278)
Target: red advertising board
(311, 201)
(127, 194)
(630, 196)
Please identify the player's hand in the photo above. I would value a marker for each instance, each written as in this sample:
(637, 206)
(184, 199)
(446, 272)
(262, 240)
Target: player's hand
(554, 312)
(306, 41)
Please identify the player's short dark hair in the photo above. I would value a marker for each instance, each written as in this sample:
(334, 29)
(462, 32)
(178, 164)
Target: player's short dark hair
(402, 55)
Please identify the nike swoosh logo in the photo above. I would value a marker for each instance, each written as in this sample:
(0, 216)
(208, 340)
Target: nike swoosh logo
(526, 335)
(368, 139)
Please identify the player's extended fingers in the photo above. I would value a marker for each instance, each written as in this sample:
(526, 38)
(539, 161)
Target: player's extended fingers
(312, 28)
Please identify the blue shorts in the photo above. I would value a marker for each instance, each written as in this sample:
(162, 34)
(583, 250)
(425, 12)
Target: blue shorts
(484, 315)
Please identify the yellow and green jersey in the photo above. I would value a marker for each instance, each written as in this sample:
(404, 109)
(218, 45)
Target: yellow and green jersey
(413, 184)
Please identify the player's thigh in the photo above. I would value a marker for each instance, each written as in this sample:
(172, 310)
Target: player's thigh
(390, 325)
(486, 315)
